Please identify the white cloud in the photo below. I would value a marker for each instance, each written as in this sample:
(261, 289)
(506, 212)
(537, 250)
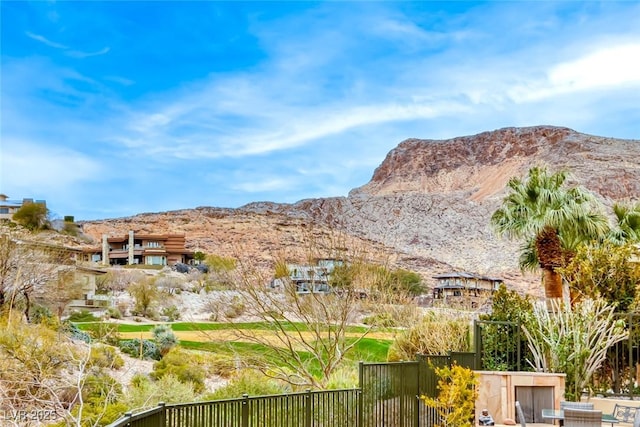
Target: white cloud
(610, 66)
(79, 54)
(29, 167)
(46, 41)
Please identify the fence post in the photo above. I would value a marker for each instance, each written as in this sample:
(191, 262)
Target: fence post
(360, 408)
(416, 415)
(307, 408)
(163, 414)
(245, 410)
(477, 338)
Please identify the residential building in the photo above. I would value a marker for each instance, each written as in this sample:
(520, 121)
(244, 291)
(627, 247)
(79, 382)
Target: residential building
(86, 279)
(9, 207)
(312, 278)
(471, 289)
(139, 248)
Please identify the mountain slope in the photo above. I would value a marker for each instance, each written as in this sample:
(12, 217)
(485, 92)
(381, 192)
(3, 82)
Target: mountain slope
(429, 202)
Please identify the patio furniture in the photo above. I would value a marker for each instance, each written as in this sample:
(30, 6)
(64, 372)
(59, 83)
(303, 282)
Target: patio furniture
(520, 415)
(625, 413)
(558, 414)
(582, 418)
(576, 405)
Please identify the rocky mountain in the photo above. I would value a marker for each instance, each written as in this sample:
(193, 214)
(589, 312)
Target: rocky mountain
(428, 204)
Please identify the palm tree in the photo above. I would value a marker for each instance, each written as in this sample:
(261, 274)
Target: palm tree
(627, 226)
(552, 219)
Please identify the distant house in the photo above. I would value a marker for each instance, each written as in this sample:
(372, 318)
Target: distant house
(139, 248)
(86, 278)
(457, 287)
(9, 207)
(313, 278)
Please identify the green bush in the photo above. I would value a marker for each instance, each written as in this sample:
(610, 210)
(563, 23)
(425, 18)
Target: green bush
(165, 338)
(75, 332)
(382, 320)
(82, 316)
(172, 313)
(434, 335)
(457, 394)
(145, 393)
(343, 378)
(114, 313)
(134, 347)
(180, 364)
(105, 356)
(251, 382)
(104, 332)
(41, 313)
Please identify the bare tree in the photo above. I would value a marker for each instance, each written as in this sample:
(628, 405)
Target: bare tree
(310, 326)
(44, 376)
(26, 267)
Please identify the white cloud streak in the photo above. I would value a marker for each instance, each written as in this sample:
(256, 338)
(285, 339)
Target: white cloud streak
(46, 41)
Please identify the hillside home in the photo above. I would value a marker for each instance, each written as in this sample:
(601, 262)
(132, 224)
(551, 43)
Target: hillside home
(85, 278)
(10, 207)
(310, 278)
(138, 248)
(458, 287)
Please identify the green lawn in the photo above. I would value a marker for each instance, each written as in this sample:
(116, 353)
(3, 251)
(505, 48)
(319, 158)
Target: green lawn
(367, 349)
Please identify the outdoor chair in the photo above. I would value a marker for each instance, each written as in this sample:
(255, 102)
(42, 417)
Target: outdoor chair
(520, 415)
(582, 418)
(575, 405)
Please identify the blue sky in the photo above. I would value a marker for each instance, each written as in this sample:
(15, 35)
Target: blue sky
(110, 109)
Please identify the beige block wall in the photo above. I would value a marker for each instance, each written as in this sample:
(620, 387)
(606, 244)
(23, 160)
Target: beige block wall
(497, 390)
(606, 404)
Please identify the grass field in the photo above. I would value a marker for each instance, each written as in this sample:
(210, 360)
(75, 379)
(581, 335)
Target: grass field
(225, 337)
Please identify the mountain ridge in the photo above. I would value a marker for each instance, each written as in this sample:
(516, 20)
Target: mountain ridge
(428, 203)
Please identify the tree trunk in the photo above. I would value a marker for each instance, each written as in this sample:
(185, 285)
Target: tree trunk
(552, 283)
(27, 308)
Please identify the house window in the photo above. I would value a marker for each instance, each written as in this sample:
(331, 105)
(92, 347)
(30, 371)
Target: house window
(153, 244)
(155, 260)
(4, 210)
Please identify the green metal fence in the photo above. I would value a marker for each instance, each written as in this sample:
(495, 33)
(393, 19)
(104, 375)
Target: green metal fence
(331, 408)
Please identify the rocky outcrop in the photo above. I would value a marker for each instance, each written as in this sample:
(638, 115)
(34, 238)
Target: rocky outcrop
(428, 204)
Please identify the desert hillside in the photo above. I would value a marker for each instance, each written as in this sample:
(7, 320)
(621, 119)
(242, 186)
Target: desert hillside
(427, 205)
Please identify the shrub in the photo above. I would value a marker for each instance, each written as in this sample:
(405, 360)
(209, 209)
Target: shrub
(114, 313)
(40, 314)
(82, 316)
(105, 332)
(105, 356)
(219, 364)
(434, 335)
(75, 333)
(457, 394)
(251, 382)
(343, 378)
(235, 308)
(181, 365)
(165, 338)
(145, 393)
(135, 347)
(172, 313)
